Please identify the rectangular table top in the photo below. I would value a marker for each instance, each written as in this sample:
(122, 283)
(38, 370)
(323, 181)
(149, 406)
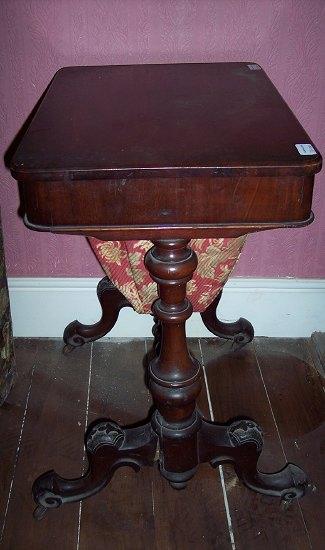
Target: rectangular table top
(163, 120)
(159, 151)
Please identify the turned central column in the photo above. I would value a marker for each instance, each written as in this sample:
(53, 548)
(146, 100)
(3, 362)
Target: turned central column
(175, 376)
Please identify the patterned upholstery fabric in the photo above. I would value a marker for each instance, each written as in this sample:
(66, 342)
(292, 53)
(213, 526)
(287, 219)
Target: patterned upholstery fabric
(123, 262)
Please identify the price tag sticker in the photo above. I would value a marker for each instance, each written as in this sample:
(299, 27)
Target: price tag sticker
(305, 149)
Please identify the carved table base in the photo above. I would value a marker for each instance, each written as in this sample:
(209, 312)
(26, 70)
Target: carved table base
(177, 437)
(109, 447)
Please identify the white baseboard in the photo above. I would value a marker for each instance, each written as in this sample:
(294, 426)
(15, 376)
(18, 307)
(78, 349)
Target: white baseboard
(42, 307)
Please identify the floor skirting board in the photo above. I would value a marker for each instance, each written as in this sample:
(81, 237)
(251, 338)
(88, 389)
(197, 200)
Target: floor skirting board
(42, 307)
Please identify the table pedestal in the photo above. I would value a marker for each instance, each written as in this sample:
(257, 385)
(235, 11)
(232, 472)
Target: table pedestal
(178, 438)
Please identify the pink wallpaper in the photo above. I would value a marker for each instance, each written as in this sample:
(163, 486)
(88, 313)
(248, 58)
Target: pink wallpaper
(287, 37)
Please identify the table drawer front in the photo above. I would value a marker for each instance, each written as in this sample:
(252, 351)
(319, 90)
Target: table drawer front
(168, 201)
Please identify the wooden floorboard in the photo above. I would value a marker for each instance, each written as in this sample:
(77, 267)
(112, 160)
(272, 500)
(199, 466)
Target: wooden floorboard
(236, 389)
(52, 438)
(12, 416)
(317, 345)
(277, 386)
(298, 402)
(120, 516)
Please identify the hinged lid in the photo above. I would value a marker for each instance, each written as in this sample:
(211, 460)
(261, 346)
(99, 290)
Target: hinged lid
(163, 120)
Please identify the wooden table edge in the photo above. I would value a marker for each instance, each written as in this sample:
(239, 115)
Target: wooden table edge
(168, 231)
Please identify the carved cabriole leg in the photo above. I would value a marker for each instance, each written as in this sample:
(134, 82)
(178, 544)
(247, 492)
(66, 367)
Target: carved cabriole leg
(175, 376)
(108, 448)
(241, 443)
(112, 301)
(240, 332)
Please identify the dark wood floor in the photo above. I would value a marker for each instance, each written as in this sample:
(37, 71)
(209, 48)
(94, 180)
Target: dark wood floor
(274, 381)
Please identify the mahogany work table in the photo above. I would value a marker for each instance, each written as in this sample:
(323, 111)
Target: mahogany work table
(166, 153)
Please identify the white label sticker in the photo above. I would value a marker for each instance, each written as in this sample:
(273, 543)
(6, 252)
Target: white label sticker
(254, 67)
(305, 149)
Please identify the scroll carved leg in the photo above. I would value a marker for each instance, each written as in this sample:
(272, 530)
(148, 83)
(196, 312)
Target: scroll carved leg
(112, 301)
(241, 443)
(108, 447)
(240, 332)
